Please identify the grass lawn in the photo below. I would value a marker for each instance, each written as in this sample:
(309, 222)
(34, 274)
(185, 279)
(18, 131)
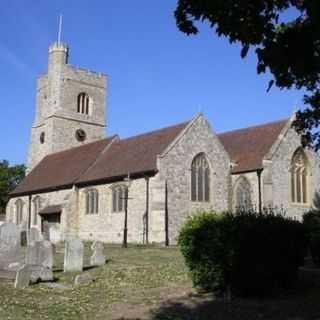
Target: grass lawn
(147, 283)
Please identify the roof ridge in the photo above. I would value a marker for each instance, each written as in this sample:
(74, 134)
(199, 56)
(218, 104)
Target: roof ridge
(155, 131)
(254, 126)
(78, 147)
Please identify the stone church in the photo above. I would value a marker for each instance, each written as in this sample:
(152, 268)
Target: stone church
(80, 181)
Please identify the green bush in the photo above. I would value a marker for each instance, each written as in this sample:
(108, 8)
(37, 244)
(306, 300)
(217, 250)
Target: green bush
(249, 254)
(311, 220)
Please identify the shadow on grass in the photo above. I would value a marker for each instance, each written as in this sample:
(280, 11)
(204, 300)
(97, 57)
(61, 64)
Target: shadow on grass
(301, 304)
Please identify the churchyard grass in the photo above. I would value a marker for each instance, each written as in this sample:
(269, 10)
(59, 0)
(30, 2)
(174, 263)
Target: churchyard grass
(146, 283)
(131, 277)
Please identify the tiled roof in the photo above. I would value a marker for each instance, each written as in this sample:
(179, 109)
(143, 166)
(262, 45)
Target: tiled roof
(133, 155)
(248, 146)
(102, 160)
(61, 169)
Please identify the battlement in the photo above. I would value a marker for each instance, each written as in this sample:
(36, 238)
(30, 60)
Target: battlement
(88, 72)
(58, 46)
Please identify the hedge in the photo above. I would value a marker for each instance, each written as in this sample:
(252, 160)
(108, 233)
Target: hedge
(247, 254)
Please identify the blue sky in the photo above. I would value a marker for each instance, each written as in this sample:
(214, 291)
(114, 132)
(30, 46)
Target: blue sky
(157, 75)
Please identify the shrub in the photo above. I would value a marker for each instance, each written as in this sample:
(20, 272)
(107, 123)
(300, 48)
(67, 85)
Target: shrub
(311, 220)
(250, 254)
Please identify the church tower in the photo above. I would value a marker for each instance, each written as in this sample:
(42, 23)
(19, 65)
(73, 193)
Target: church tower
(70, 107)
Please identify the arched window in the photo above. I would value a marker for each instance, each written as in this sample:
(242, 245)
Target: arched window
(92, 201)
(200, 179)
(299, 177)
(36, 209)
(83, 103)
(19, 211)
(119, 197)
(242, 195)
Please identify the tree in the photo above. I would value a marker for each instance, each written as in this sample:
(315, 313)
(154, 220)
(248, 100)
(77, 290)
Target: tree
(10, 176)
(290, 50)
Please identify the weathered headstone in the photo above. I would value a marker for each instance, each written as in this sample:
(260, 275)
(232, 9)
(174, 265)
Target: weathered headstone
(97, 258)
(34, 235)
(9, 236)
(23, 277)
(40, 273)
(39, 258)
(73, 255)
(40, 253)
(9, 244)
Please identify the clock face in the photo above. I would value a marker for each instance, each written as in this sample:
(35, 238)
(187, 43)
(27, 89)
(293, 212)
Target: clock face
(81, 135)
(42, 137)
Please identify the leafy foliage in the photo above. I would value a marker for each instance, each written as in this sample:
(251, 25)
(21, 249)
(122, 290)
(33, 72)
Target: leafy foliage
(10, 176)
(289, 50)
(249, 254)
(311, 220)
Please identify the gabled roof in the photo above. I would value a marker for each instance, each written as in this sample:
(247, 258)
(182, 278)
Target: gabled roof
(103, 160)
(133, 155)
(247, 147)
(61, 169)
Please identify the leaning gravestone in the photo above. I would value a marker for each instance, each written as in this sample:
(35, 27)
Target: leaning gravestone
(73, 256)
(98, 258)
(9, 244)
(23, 277)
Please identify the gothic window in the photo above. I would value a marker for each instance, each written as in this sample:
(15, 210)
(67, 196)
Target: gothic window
(19, 211)
(36, 209)
(83, 103)
(119, 195)
(242, 195)
(200, 179)
(299, 177)
(92, 201)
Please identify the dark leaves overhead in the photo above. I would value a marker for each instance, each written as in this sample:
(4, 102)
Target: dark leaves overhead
(289, 50)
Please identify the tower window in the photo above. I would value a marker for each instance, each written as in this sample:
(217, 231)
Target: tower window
(83, 103)
(200, 179)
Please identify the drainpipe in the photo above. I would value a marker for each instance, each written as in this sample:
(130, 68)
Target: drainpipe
(259, 189)
(29, 213)
(147, 210)
(166, 215)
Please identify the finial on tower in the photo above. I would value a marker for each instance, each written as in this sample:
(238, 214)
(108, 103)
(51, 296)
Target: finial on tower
(60, 29)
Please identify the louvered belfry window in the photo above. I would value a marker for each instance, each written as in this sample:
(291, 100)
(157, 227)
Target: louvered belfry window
(83, 103)
(200, 179)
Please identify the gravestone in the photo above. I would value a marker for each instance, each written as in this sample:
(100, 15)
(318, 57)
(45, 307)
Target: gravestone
(39, 258)
(40, 253)
(9, 244)
(73, 256)
(22, 277)
(97, 258)
(34, 235)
